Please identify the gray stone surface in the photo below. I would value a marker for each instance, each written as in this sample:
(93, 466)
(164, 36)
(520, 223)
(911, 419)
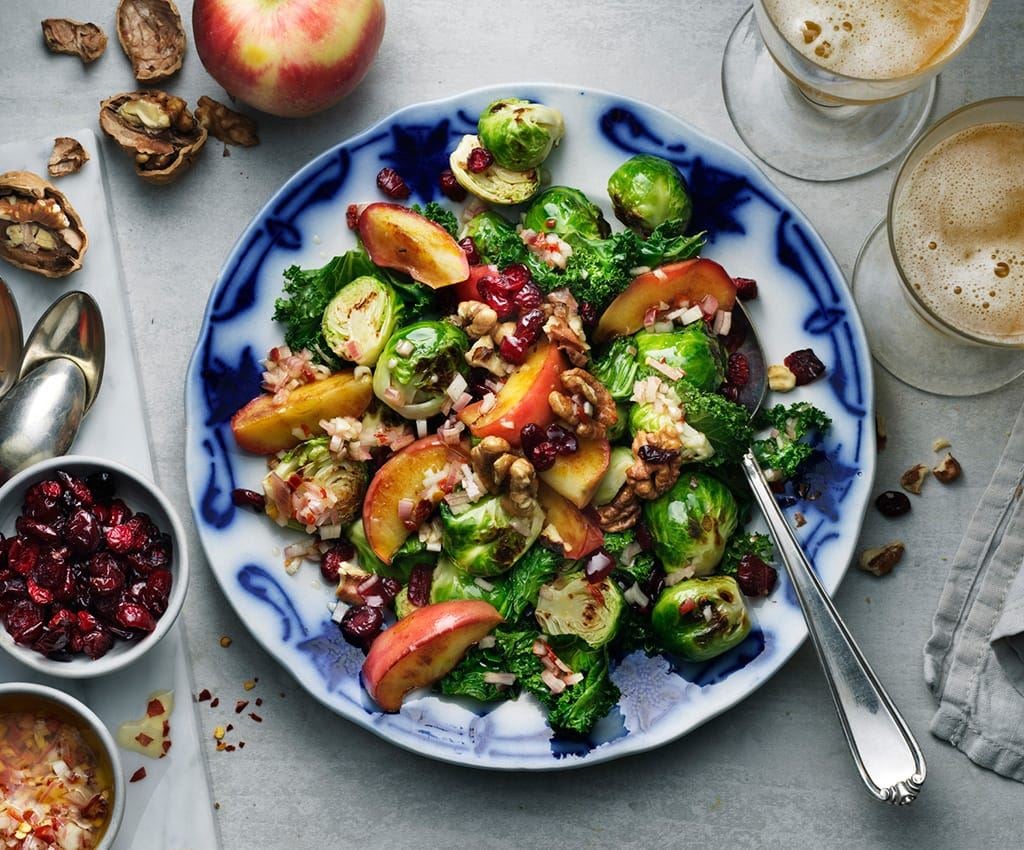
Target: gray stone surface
(772, 772)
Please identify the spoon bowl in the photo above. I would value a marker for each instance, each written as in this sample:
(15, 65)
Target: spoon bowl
(10, 339)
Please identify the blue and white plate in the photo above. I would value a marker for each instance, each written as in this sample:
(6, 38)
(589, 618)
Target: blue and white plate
(754, 231)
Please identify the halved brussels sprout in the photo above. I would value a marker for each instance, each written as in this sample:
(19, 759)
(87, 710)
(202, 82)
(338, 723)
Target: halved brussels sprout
(449, 582)
(692, 350)
(360, 319)
(647, 191)
(495, 184)
(616, 368)
(486, 540)
(701, 617)
(489, 232)
(520, 134)
(568, 213)
(695, 445)
(690, 525)
(417, 366)
(615, 476)
(571, 605)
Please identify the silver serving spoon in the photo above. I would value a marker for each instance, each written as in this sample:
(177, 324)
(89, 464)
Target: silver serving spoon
(10, 339)
(885, 751)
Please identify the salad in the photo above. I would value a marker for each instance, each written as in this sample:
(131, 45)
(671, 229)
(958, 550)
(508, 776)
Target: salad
(510, 434)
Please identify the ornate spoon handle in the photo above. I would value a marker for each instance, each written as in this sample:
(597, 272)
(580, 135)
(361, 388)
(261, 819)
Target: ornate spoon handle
(888, 758)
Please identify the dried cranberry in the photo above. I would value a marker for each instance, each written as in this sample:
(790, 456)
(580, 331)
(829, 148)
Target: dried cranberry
(531, 435)
(22, 555)
(76, 491)
(450, 187)
(133, 616)
(588, 314)
(242, 498)
(118, 513)
(49, 572)
(12, 587)
(420, 579)
(468, 247)
(479, 159)
(599, 566)
(513, 348)
(378, 591)
(644, 538)
(734, 340)
(529, 325)
(51, 641)
(102, 485)
(738, 370)
(543, 456)
(652, 454)
(892, 503)
(516, 276)
(352, 216)
(105, 575)
(42, 501)
(361, 624)
(85, 621)
(331, 561)
(564, 440)
(805, 365)
(82, 532)
(529, 297)
(35, 529)
(97, 643)
(491, 290)
(39, 595)
(24, 621)
(746, 288)
(130, 536)
(390, 182)
(157, 592)
(755, 577)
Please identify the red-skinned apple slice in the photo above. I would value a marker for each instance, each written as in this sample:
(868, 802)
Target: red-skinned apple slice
(689, 280)
(577, 476)
(401, 477)
(398, 238)
(423, 647)
(466, 290)
(522, 400)
(577, 534)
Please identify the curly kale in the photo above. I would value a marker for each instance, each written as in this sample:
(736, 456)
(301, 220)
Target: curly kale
(538, 566)
(579, 707)
(725, 423)
(641, 566)
(745, 544)
(785, 449)
(439, 215)
(468, 677)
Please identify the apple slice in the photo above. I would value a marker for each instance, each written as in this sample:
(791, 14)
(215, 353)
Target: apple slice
(423, 647)
(689, 280)
(577, 476)
(401, 477)
(264, 427)
(398, 238)
(522, 400)
(466, 290)
(577, 534)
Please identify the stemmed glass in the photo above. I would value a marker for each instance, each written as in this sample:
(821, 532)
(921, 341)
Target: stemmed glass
(830, 89)
(939, 283)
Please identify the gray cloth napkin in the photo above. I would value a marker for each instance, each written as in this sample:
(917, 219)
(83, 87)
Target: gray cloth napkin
(974, 660)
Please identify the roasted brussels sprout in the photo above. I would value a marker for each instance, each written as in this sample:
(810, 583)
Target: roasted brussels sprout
(615, 476)
(450, 582)
(571, 605)
(692, 350)
(647, 191)
(568, 213)
(360, 319)
(690, 525)
(695, 445)
(490, 234)
(616, 368)
(417, 366)
(495, 183)
(701, 617)
(486, 540)
(518, 133)
(310, 489)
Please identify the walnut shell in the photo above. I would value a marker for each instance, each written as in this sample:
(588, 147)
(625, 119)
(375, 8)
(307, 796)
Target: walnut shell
(39, 229)
(63, 35)
(157, 129)
(68, 157)
(151, 33)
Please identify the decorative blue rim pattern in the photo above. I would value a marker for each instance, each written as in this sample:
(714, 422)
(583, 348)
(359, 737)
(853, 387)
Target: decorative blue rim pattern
(753, 230)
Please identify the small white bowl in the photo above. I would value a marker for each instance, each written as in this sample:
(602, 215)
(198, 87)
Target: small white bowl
(96, 734)
(141, 495)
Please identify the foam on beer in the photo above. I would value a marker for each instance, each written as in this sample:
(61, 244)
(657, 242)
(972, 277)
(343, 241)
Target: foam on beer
(958, 230)
(871, 39)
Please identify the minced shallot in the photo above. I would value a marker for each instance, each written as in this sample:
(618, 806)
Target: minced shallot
(285, 370)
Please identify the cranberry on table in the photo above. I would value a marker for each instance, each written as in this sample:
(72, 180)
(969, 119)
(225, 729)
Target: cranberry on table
(892, 503)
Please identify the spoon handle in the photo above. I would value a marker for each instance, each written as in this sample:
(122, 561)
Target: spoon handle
(885, 751)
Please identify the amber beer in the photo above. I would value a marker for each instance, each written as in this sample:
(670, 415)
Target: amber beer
(957, 231)
(872, 39)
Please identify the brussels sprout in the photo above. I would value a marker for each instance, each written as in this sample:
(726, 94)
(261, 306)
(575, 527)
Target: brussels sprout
(695, 445)
(571, 605)
(647, 191)
(495, 184)
(617, 367)
(338, 485)
(417, 366)
(491, 234)
(692, 350)
(568, 213)
(449, 582)
(615, 476)
(691, 523)
(360, 318)
(403, 607)
(701, 617)
(486, 540)
(520, 134)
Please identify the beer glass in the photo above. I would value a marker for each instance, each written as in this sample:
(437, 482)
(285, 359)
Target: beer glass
(939, 283)
(830, 89)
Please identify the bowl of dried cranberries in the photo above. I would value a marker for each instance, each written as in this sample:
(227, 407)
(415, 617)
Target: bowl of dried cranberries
(93, 566)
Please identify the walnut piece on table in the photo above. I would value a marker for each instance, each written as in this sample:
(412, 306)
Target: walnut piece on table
(68, 157)
(75, 38)
(39, 229)
(226, 125)
(153, 38)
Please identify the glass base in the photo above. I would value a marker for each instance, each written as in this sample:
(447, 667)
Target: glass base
(801, 138)
(909, 348)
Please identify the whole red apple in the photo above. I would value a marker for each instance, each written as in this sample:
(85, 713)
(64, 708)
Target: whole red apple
(288, 57)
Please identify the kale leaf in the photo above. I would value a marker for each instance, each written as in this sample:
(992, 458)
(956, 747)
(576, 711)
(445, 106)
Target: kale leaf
(782, 453)
(745, 544)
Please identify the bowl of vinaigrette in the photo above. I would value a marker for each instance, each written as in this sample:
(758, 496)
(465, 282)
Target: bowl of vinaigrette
(61, 785)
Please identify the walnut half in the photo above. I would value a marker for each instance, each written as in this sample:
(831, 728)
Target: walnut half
(157, 129)
(223, 123)
(39, 229)
(63, 35)
(151, 33)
